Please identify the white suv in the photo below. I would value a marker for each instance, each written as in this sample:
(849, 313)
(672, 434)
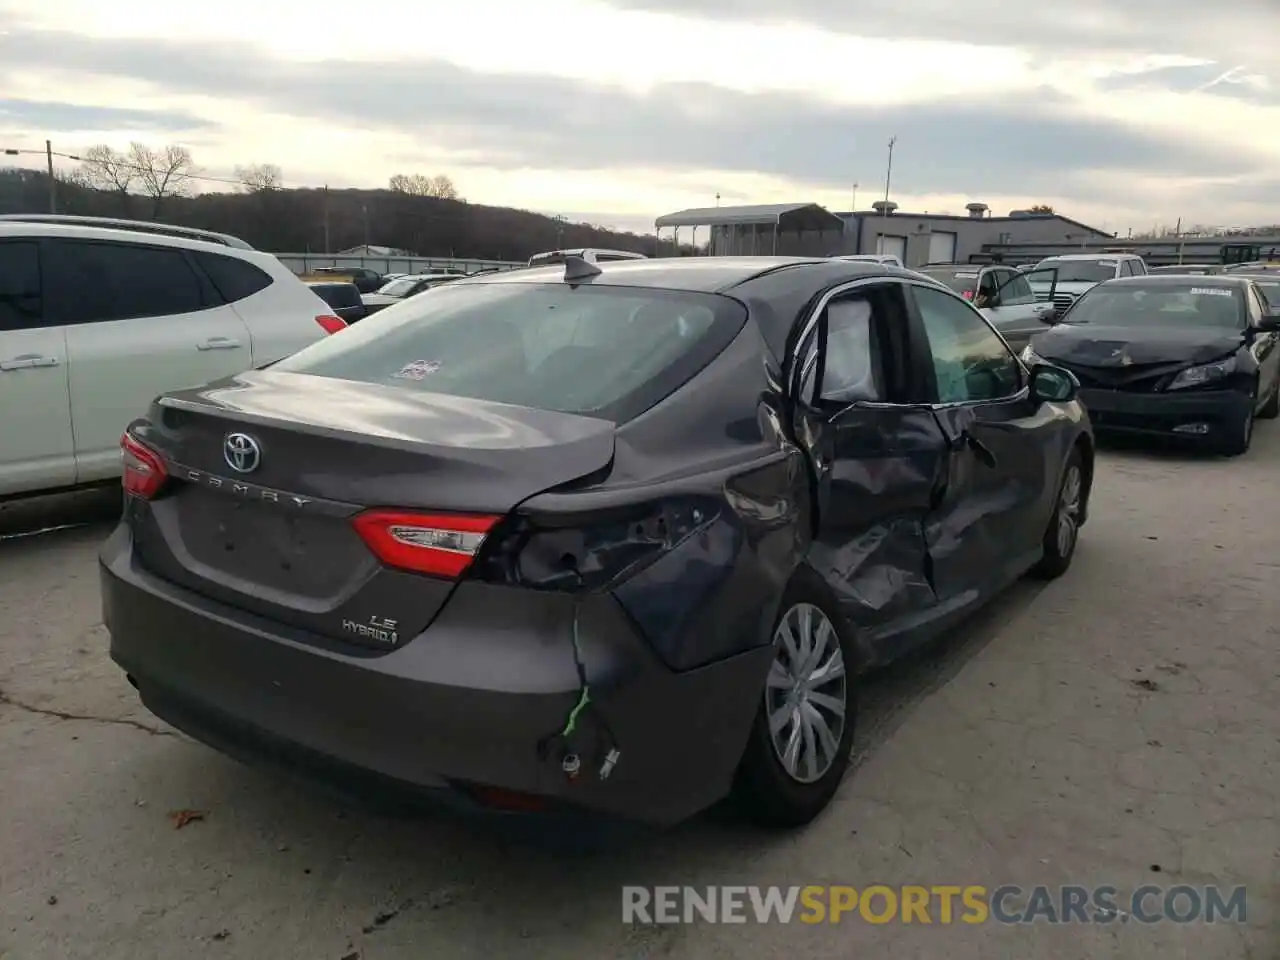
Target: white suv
(98, 317)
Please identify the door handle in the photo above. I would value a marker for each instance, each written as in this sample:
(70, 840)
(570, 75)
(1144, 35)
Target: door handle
(219, 343)
(28, 361)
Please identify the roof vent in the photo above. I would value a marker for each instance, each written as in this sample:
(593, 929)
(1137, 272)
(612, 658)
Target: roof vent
(977, 210)
(885, 207)
(576, 269)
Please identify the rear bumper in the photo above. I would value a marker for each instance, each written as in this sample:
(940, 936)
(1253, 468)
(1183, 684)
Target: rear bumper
(1162, 414)
(476, 701)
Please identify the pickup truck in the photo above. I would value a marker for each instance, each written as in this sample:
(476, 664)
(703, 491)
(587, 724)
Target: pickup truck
(1003, 295)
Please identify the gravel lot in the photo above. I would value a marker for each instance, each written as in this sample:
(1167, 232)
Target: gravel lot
(1117, 726)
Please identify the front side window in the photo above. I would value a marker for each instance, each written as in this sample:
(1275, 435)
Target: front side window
(606, 351)
(1016, 291)
(970, 362)
(94, 282)
(20, 301)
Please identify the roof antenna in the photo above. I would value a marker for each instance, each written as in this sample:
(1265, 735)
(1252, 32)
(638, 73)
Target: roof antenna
(577, 269)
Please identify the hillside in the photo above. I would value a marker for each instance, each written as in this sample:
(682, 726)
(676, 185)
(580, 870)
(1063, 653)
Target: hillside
(293, 220)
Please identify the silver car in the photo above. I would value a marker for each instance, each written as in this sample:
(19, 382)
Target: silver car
(1002, 294)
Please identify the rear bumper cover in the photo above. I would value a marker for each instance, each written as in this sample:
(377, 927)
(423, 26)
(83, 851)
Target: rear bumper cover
(1159, 414)
(475, 700)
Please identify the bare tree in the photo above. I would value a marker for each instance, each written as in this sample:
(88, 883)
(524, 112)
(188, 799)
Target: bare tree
(162, 173)
(418, 185)
(104, 169)
(257, 177)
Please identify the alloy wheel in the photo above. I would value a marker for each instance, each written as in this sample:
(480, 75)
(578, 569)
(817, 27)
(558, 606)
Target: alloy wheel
(806, 695)
(1069, 510)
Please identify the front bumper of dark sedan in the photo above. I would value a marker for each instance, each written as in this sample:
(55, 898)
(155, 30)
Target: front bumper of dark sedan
(468, 712)
(1201, 415)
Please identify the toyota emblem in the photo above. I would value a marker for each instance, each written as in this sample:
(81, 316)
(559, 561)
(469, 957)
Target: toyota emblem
(241, 452)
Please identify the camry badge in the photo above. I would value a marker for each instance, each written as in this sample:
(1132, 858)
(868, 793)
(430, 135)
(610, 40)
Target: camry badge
(241, 452)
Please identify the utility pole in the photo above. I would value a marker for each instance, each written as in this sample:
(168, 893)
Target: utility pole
(888, 181)
(855, 198)
(53, 184)
(364, 212)
(1177, 232)
(717, 199)
(325, 200)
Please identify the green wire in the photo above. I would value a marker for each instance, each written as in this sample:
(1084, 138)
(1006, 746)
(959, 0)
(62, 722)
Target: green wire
(583, 700)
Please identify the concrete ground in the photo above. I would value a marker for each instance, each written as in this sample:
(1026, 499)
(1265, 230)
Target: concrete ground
(1118, 726)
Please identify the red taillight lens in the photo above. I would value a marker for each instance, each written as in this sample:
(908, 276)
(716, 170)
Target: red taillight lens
(330, 323)
(144, 471)
(442, 545)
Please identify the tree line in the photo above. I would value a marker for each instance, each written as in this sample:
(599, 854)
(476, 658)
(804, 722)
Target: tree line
(417, 212)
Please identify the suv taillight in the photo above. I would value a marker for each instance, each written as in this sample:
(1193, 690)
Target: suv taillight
(144, 470)
(331, 323)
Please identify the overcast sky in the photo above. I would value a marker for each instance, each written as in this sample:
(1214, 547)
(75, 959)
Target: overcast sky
(1121, 113)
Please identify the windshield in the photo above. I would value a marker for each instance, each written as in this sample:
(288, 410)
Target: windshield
(1160, 305)
(547, 346)
(1077, 271)
(398, 288)
(961, 281)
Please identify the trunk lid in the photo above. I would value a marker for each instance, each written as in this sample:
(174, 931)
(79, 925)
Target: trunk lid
(275, 537)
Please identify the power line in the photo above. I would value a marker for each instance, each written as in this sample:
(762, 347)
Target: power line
(123, 164)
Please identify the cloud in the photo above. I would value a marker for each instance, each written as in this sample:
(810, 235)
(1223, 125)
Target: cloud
(70, 116)
(1237, 82)
(1022, 144)
(1191, 28)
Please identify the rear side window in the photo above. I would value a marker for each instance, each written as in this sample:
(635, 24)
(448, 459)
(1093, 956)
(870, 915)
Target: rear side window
(20, 303)
(95, 282)
(605, 351)
(233, 278)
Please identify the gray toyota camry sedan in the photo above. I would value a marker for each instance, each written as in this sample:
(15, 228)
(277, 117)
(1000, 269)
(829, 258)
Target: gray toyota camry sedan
(591, 540)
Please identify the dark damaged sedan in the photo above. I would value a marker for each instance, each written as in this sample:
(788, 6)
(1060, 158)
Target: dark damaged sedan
(611, 540)
(1191, 358)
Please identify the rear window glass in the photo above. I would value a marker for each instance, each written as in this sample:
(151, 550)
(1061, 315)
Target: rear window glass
(235, 279)
(959, 280)
(605, 351)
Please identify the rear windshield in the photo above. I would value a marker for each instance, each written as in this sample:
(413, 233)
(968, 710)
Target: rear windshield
(337, 294)
(1078, 271)
(1160, 305)
(398, 288)
(960, 280)
(606, 351)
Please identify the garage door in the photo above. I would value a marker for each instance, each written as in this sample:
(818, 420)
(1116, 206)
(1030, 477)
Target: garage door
(942, 247)
(894, 245)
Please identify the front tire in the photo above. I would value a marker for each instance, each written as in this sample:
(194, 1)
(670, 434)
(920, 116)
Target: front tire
(1238, 437)
(800, 741)
(1271, 409)
(1063, 532)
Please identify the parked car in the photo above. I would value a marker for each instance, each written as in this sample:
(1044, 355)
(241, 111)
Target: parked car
(1192, 358)
(1194, 269)
(366, 280)
(589, 254)
(95, 321)
(1002, 294)
(1078, 272)
(892, 259)
(600, 538)
(1268, 285)
(398, 290)
(343, 298)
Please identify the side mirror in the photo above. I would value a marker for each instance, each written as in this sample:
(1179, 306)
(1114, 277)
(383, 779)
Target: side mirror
(1270, 323)
(1053, 384)
(1047, 313)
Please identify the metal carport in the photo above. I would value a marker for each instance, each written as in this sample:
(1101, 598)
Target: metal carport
(756, 229)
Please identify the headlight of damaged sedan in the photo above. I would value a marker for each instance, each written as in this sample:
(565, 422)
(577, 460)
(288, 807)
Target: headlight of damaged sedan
(1030, 357)
(1203, 374)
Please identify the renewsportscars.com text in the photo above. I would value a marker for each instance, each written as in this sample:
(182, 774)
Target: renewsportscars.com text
(940, 904)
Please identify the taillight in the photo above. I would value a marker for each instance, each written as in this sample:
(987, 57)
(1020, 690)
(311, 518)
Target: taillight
(442, 545)
(330, 323)
(144, 470)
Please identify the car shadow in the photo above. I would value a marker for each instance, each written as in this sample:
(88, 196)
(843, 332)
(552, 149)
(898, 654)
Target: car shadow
(1157, 449)
(49, 514)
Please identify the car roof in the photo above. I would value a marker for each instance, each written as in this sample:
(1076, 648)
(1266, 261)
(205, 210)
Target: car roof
(1093, 256)
(70, 231)
(1182, 279)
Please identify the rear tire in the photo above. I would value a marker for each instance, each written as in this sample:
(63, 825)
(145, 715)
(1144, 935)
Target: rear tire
(1063, 532)
(787, 777)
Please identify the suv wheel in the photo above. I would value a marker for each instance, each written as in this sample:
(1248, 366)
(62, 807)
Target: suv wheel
(799, 744)
(1063, 532)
